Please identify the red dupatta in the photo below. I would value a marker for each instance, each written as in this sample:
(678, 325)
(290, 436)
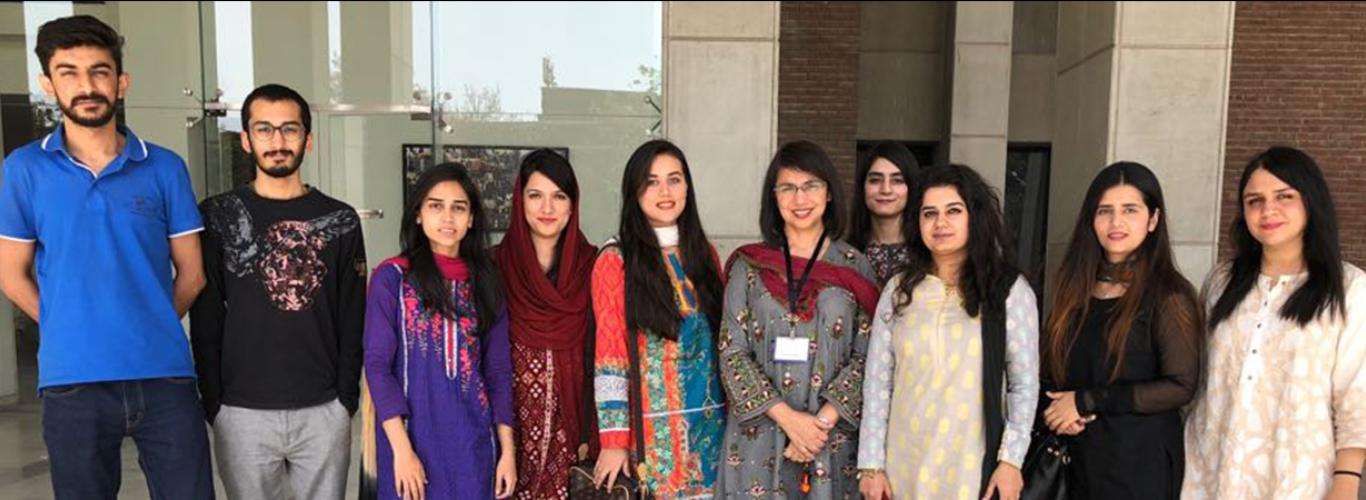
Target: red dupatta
(772, 271)
(545, 315)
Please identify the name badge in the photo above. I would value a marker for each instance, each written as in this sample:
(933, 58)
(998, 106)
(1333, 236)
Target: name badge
(792, 349)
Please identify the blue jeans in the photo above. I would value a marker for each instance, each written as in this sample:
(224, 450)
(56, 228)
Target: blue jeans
(84, 426)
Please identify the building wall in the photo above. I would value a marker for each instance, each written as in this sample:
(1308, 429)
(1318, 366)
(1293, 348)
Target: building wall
(720, 105)
(818, 78)
(1297, 75)
(1033, 72)
(1144, 82)
(901, 71)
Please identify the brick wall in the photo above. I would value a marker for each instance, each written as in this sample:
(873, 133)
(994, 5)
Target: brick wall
(818, 65)
(1298, 78)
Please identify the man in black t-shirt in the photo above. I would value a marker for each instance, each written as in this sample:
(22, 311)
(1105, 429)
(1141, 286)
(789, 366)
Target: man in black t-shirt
(277, 331)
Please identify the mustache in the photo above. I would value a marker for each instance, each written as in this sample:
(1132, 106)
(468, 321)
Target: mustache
(285, 152)
(95, 98)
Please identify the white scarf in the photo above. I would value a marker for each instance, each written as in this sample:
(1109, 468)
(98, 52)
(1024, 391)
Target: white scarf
(667, 236)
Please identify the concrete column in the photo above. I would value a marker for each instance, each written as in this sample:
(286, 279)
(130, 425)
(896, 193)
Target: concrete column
(980, 118)
(901, 71)
(289, 46)
(721, 106)
(377, 52)
(1145, 82)
(13, 50)
(162, 56)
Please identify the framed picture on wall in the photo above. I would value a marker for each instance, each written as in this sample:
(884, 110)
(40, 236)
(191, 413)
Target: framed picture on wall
(493, 168)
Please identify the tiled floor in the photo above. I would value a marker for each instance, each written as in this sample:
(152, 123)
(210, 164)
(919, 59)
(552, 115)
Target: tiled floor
(23, 458)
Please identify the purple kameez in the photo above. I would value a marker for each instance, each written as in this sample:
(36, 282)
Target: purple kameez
(451, 387)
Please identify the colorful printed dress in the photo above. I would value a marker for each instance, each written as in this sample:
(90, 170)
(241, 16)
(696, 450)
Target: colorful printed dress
(837, 327)
(450, 386)
(683, 405)
(545, 451)
(887, 259)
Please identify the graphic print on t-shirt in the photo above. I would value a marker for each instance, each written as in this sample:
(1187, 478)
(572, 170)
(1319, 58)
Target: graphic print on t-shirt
(285, 256)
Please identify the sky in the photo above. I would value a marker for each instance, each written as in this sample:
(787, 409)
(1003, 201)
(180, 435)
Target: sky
(597, 45)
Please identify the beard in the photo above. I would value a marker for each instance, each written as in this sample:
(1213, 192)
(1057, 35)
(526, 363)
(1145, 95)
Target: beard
(293, 159)
(97, 120)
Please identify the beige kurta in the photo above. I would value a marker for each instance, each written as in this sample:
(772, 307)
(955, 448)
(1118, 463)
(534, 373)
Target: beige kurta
(923, 417)
(1277, 400)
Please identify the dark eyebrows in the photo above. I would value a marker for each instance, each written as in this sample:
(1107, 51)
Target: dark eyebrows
(267, 122)
(951, 204)
(1254, 195)
(98, 65)
(439, 200)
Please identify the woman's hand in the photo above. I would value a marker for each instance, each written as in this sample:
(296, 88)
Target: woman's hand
(796, 455)
(804, 430)
(505, 477)
(410, 479)
(611, 461)
(1062, 412)
(1006, 481)
(1073, 428)
(875, 486)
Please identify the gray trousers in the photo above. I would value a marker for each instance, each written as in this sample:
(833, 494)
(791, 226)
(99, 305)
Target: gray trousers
(259, 451)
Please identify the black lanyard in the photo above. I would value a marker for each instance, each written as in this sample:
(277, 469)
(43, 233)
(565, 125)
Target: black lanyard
(794, 289)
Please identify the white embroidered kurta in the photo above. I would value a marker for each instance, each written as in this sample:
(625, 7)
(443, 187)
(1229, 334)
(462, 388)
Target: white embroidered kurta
(1277, 400)
(922, 393)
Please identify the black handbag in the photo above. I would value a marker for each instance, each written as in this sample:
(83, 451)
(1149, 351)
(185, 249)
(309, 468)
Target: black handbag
(581, 485)
(1046, 467)
(626, 488)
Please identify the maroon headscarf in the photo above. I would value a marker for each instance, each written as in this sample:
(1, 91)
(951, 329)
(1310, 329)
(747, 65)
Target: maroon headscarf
(547, 315)
(773, 272)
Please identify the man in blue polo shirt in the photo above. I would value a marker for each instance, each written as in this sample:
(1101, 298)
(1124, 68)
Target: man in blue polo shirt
(107, 220)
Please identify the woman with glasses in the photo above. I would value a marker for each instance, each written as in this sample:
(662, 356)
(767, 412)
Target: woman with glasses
(793, 338)
(1281, 410)
(953, 364)
(881, 186)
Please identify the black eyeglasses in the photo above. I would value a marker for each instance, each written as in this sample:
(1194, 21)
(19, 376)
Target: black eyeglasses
(292, 131)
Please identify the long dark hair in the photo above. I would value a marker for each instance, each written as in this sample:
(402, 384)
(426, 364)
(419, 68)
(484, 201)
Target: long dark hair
(1155, 281)
(423, 273)
(650, 300)
(1323, 291)
(860, 219)
(807, 157)
(989, 271)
